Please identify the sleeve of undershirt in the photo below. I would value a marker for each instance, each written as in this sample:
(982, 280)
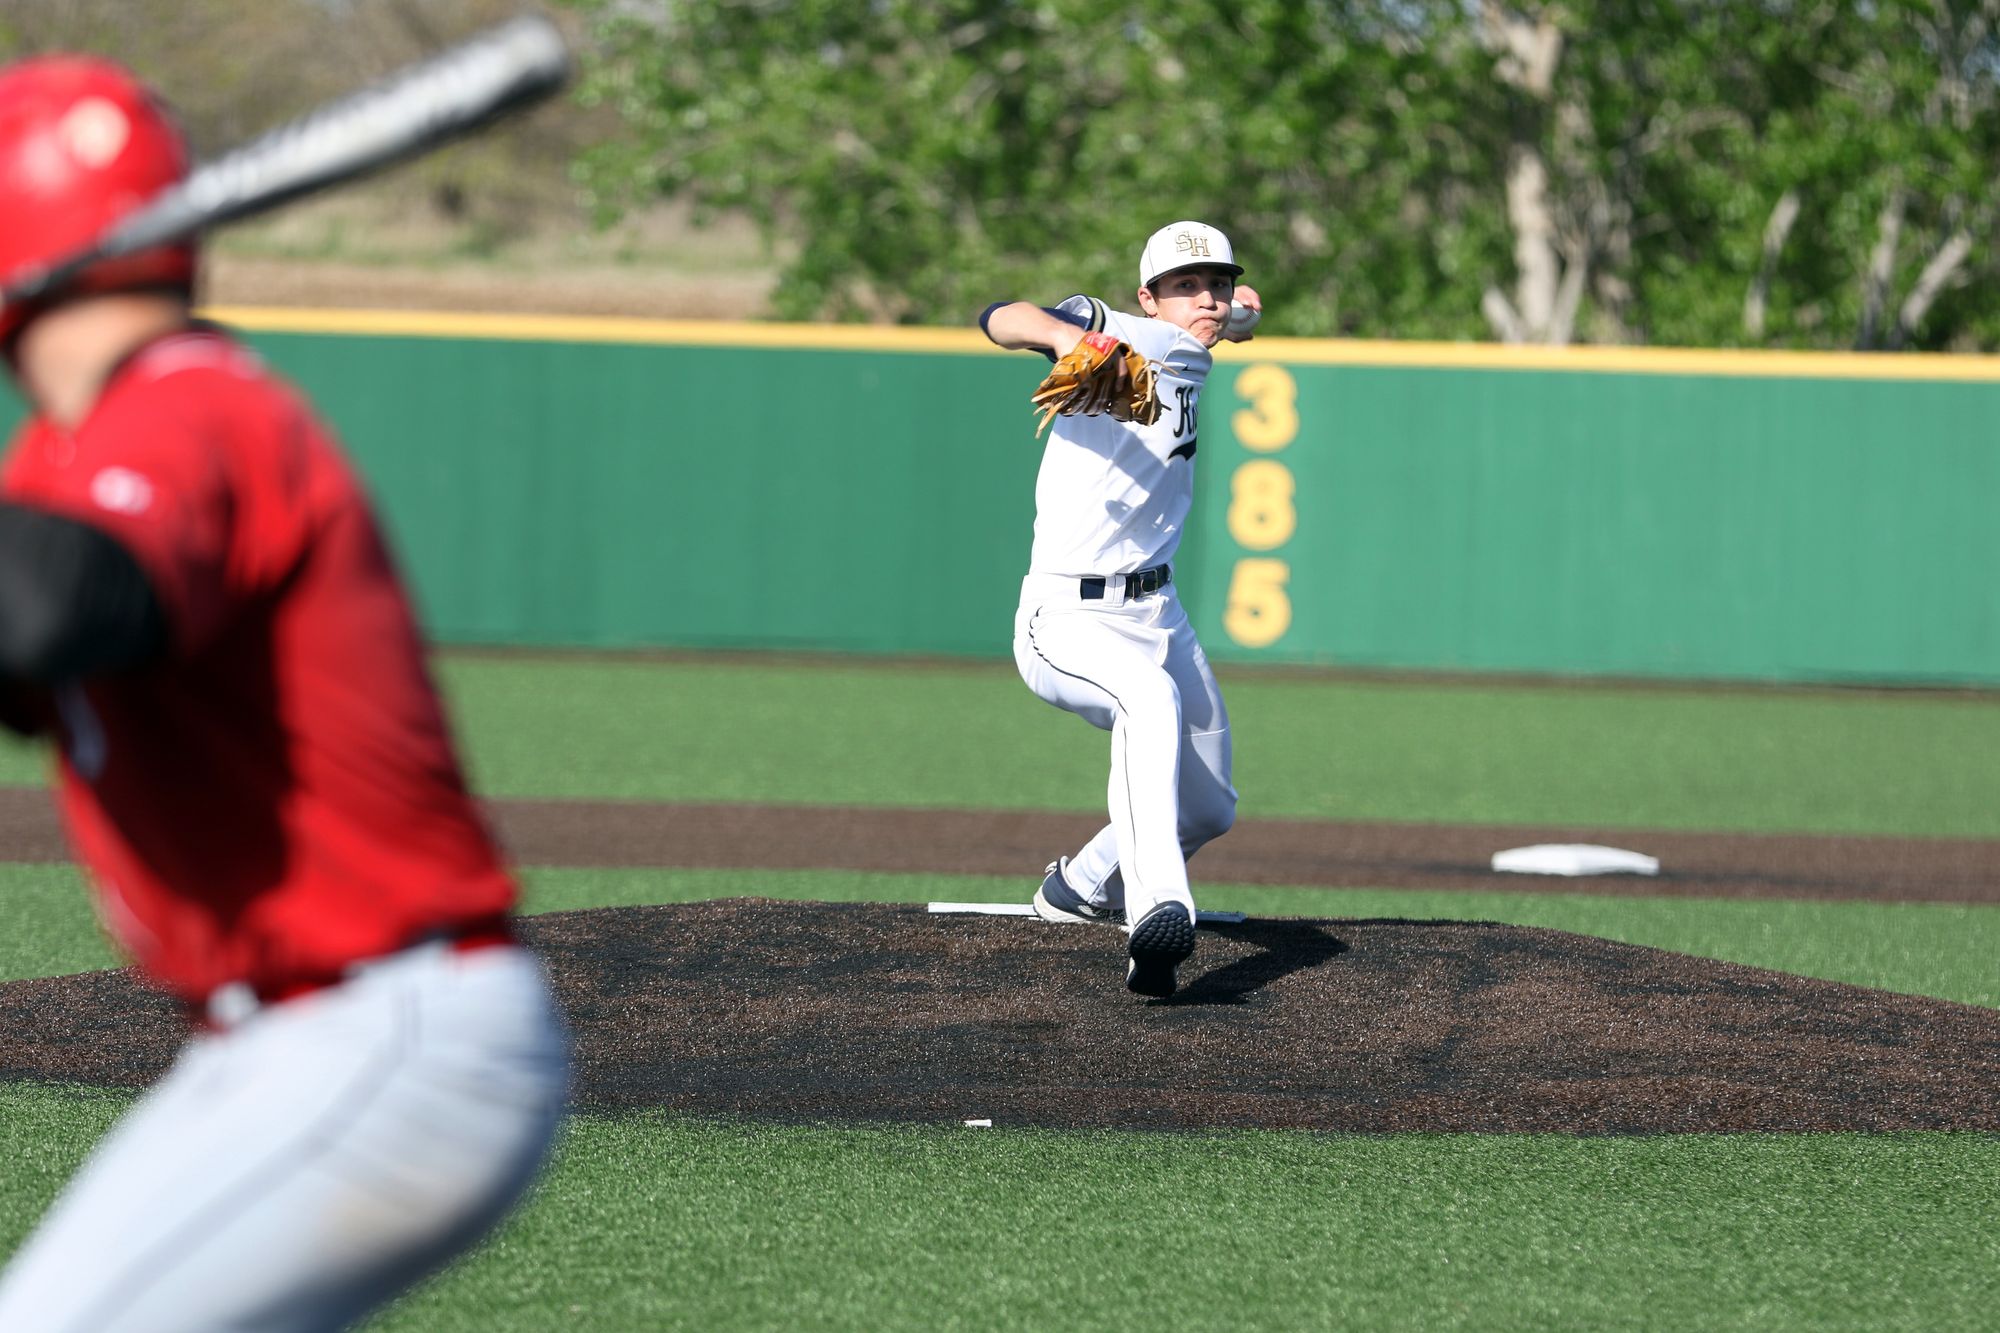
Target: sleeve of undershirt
(74, 603)
(158, 486)
(1077, 310)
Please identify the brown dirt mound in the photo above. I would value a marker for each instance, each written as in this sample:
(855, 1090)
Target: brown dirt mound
(863, 1012)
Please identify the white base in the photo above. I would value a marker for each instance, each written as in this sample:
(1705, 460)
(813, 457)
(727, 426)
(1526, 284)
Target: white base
(1028, 909)
(1574, 858)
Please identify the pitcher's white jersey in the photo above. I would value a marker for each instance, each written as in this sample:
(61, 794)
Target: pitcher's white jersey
(1112, 496)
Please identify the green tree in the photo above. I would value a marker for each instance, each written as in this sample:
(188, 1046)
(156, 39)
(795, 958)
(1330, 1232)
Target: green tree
(1704, 172)
(921, 159)
(1776, 172)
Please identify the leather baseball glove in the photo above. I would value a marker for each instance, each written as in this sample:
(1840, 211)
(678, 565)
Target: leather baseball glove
(1100, 374)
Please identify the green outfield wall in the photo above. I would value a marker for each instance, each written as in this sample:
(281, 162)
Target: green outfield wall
(1700, 515)
(1611, 521)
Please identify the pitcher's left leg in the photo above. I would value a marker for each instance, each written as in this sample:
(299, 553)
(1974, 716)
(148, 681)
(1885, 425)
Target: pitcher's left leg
(1207, 791)
(1208, 801)
(1093, 871)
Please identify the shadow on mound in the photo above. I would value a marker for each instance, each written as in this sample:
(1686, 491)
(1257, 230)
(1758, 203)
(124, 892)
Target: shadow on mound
(863, 1012)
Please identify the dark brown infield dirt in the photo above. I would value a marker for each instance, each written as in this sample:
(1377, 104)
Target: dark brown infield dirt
(818, 1012)
(855, 1013)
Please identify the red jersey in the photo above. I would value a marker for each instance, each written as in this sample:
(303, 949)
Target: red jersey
(278, 795)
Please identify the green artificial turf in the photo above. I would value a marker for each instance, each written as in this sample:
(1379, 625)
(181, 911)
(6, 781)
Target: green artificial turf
(971, 735)
(50, 928)
(44, 1133)
(651, 1222)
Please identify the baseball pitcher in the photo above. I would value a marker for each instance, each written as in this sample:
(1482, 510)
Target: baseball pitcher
(1100, 631)
(197, 606)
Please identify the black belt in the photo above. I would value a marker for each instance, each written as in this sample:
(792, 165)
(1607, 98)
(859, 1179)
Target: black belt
(1144, 583)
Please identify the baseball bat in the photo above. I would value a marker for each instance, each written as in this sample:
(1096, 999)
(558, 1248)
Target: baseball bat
(410, 112)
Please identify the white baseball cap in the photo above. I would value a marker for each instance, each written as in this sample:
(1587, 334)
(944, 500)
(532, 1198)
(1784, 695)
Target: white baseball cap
(1184, 245)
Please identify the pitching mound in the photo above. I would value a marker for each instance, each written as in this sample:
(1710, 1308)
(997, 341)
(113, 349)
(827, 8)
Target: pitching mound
(863, 1012)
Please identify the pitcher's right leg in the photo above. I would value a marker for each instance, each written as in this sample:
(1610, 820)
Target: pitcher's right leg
(1104, 668)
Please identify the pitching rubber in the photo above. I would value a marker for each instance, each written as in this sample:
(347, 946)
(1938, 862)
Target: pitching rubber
(1160, 943)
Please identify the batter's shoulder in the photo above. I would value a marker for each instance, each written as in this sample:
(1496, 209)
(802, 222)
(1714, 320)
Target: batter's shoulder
(207, 393)
(198, 366)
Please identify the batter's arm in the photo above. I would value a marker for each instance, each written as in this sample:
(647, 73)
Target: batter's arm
(24, 709)
(73, 600)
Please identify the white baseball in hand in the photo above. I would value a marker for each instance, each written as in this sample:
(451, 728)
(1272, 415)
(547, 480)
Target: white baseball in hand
(1242, 319)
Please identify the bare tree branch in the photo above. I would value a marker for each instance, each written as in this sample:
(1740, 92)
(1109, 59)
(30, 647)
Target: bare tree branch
(1662, 131)
(1783, 214)
(1569, 296)
(1500, 314)
(1530, 48)
(1598, 221)
(1881, 268)
(1536, 266)
(1944, 264)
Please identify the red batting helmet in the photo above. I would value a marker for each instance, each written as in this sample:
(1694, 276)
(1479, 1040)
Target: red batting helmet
(83, 144)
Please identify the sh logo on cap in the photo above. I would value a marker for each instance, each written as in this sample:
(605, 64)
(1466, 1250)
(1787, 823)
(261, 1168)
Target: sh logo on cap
(1185, 245)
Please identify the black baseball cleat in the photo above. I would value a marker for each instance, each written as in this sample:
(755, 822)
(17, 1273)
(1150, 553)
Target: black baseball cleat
(1057, 901)
(1161, 942)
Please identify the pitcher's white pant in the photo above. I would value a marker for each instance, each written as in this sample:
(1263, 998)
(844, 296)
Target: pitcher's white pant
(1135, 669)
(307, 1165)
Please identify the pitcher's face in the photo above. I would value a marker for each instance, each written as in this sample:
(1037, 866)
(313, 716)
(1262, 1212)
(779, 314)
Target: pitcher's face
(1196, 299)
